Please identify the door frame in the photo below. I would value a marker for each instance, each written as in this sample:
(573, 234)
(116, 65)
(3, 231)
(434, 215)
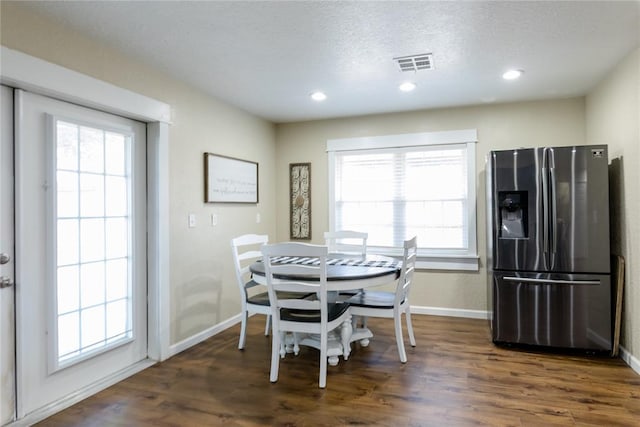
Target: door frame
(35, 75)
(7, 229)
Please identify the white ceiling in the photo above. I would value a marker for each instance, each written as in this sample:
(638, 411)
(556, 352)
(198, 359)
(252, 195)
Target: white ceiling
(267, 57)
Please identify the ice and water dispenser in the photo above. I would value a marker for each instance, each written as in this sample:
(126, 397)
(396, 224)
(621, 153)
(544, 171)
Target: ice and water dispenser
(513, 214)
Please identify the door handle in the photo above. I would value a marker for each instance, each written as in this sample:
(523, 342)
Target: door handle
(5, 282)
(551, 281)
(4, 258)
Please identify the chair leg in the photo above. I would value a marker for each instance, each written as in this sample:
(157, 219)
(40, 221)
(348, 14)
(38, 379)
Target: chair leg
(323, 360)
(243, 330)
(267, 325)
(275, 356)
(283, 344)
(412, 338)
(296, 342)
(399, 340)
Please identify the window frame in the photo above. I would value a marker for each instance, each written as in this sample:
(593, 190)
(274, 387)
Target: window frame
(55, 362)
(431, 259)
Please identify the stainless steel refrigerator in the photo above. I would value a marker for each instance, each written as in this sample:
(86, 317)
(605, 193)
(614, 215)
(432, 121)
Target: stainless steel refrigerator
(548, 252)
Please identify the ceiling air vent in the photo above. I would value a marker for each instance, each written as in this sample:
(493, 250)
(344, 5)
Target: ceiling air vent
(415, 62)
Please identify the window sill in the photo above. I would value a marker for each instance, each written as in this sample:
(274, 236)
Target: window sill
(470, 263)
(439, 262)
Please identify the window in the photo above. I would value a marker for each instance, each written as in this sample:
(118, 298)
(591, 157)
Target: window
(395, 187)
(93, 235)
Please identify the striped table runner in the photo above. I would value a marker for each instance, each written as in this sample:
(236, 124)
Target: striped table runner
(338, 261)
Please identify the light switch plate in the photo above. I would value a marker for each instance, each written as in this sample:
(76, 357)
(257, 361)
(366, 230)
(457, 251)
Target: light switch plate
(192, 220)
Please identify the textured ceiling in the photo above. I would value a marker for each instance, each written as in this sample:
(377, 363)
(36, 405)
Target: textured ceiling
(267, 57)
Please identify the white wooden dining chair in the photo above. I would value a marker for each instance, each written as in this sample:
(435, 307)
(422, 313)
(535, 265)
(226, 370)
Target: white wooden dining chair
(347, 242)
(246, 250)
(368, 303)
(313, 320)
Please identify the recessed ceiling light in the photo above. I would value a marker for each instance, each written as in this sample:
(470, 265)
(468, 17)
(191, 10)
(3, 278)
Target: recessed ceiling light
(512, 74)
(318, 96)
(407, 86)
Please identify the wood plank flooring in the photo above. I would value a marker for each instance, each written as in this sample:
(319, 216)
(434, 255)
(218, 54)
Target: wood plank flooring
(454, 377)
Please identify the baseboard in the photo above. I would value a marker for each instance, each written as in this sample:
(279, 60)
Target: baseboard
(450, 312)
(201, 336)
(630, 360)
(70, 400)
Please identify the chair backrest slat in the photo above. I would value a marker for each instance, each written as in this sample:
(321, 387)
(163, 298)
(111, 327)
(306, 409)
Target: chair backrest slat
(250, 245)
(347, 242)
(251, 254)
(409, 256)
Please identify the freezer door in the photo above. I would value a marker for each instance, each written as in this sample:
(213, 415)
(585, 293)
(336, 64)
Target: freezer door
(579, 209)
(517, 209)
(564, 311)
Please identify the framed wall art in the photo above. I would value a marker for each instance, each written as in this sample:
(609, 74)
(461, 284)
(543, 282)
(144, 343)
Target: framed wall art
(229, 180)
(300, 200)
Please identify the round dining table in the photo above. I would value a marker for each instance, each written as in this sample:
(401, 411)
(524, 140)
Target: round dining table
(344, 273)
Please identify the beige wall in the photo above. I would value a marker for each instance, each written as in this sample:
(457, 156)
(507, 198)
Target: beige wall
(559, 122)
(613, 118)
(201, 263)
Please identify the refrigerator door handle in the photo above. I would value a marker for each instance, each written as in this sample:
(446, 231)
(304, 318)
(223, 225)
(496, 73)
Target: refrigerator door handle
(552, 197)
(545, 202)
(550, 281)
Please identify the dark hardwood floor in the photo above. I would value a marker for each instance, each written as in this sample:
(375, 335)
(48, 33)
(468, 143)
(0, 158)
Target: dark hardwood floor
(454, 377)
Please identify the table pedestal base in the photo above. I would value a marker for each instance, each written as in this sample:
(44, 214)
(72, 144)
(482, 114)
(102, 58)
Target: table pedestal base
(362, 335)
(338, 344)
(334, 346)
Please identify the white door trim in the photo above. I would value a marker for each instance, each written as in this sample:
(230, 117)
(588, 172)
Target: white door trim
(35, 75)
(26, 72)
(7, 227)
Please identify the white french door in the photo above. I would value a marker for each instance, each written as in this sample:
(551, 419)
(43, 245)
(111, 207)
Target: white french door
(80, 248)
(7, 319)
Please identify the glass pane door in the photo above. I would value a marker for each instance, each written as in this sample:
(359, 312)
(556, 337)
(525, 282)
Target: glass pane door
(81, 313)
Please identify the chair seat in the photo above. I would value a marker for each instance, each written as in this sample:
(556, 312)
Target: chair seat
(371, 299)
(263, 298)
(313, 316)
